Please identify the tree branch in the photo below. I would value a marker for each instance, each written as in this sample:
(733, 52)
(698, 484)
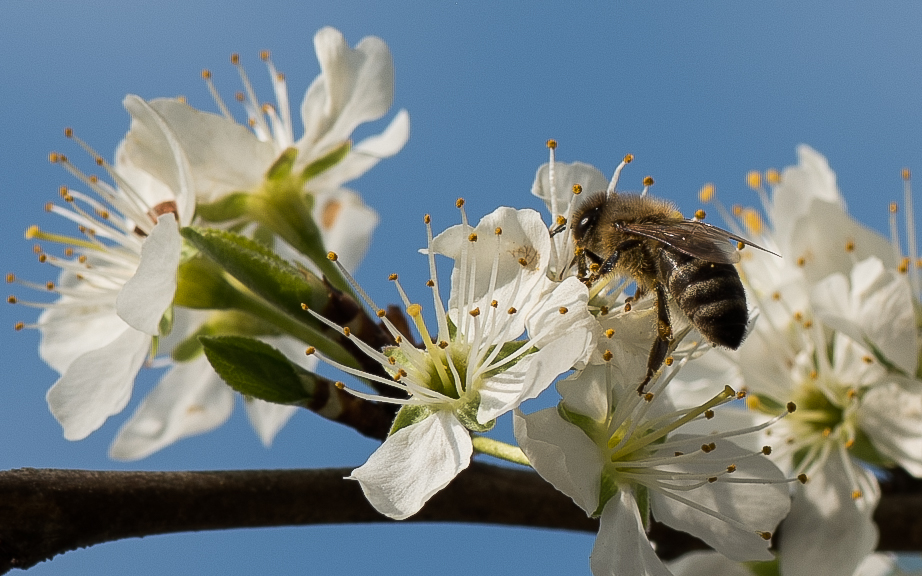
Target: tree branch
(47, 512)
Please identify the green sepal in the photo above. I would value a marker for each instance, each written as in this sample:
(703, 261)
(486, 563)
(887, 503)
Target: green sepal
(607, 490)
(407, 416)
(230, 207)
(467, 415)
(223, 323)
(258, 370)
(584, 423)
(769, 568)
(327, 161)
(261, 270)
(202, 286)
(281, 168)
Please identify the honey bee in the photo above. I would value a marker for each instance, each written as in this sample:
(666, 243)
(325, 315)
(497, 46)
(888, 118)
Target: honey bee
(664, 253)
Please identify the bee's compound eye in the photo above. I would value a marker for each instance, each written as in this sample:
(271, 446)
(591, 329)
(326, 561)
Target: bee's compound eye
(586, 222)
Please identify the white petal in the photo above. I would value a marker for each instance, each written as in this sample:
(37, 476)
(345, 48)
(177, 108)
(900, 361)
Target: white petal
(524, 237)
(355, 86)
(69, 332)
(566, 175)
(223, 156)
(588, 393)
(414, 464)
(757, 507)
(562, 454)
(891, 416)
(622, 547)
(706, 564)
(98, 384)
(268, 418)
(190, 399)
(147, 295)
(366, 154)
(811, 180)
(848, 532)
(173, 165)
(346, 225)
(531, 375)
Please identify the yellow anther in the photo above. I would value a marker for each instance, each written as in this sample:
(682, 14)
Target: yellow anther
(498, 231)
(577, 189)
(10, 278)
(235, 58)
(494, 303)
(347, 331)
(893, 208)
(443, 344)
(68, 133)
(340, 385)
(707, 193)
(767, 450)
(765, 535)
(310, 350)
(791, 407)
(708, 414)
(648, 181)
(206, 74)
(648, 397)
(627, 307)
(603, 310)
(905, 173)
(523, 262)
(264, 55)
(11, 299)
(392, 277)
(802, 478)
(459, 202)
(856, 494)
(552, 144)
(700, 214)
(427, 219)
(628, 158)
(607, 355)
(430, 283)
(668, 361)
(381, 313)
(563, 310)
(561, 221)
(511, 311)
(772, 176)
(752, 221)
(475, 312)
(731, 468)
(331, 256)
(610, 332)
(754, 179)
(18, 326)
(801, 262)
(472, 237)
(712, 479)
(850, 246)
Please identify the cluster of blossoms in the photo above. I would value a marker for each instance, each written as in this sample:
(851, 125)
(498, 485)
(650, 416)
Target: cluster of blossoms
(130, 287)
(211, 229)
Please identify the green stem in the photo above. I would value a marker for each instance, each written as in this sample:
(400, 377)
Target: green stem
(252, 304)
(500, 450)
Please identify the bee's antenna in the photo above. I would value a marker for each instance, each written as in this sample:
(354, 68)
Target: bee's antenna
(628, 158)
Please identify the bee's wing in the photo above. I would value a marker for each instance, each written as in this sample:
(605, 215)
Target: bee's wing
(694, 238)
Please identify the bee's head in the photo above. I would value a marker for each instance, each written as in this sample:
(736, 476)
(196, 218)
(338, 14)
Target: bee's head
(586, 216)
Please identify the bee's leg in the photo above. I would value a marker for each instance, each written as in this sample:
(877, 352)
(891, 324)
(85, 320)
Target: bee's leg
(588, 265)
(612, 260)
(663, 337)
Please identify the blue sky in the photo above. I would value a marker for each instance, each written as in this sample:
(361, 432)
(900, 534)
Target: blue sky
(698, 92)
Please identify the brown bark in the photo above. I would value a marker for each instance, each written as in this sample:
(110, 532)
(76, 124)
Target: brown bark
(47, 512)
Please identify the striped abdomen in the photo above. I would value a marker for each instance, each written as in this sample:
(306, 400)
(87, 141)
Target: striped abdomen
(710, 294)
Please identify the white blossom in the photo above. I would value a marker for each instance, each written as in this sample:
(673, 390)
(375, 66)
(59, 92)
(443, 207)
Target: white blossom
(475, 366)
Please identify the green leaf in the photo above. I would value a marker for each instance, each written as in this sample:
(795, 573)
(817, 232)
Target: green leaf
(327, 161)
(258, 370)
(261, 270)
